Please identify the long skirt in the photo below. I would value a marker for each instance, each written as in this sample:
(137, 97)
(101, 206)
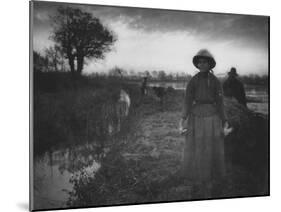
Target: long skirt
(203, 160)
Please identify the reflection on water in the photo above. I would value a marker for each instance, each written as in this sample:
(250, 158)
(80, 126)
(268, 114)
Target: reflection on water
(175, 85)
(53, 172)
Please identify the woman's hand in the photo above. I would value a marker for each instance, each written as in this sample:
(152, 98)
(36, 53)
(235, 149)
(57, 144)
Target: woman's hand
(227, 129)
(182, 130)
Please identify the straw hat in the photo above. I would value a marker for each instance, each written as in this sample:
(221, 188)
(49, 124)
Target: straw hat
(204, 53)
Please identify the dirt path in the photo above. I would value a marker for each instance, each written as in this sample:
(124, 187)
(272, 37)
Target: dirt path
(157, 138)
(157, 148)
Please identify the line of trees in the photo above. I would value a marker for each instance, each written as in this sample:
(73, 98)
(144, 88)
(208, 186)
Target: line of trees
(52, 60)
(151, 75)
(254, 79)
(161, 75)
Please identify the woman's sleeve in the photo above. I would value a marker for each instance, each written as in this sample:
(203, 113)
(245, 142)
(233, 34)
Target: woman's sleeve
(219, 101)
(188, 99)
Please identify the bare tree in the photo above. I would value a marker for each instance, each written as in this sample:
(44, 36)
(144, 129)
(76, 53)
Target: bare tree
(162, 75)
(80, 36)
(55, 57)
(147, 74)
(40, 62)
(154, 74)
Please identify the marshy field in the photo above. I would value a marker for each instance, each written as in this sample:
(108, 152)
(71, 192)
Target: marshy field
(108, 87)
(86, 155)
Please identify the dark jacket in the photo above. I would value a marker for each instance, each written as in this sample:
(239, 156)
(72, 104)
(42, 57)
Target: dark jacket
(144, 87)
(203, 89)
(232, 87)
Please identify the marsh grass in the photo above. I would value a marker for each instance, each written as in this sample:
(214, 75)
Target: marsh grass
(69, 112)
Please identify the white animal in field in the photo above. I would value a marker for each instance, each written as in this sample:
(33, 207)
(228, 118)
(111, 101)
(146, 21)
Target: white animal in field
(115, 113)
(123, 107)
(125, 101)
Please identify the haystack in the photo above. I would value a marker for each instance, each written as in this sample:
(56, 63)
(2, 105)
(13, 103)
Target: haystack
(247, 146)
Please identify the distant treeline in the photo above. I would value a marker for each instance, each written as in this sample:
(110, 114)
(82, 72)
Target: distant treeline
(51, 63)
(254, 79)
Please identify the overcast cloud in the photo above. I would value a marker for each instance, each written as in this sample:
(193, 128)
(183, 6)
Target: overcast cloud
(150, 39)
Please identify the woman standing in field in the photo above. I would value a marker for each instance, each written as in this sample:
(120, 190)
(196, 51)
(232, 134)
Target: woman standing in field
(203, 111)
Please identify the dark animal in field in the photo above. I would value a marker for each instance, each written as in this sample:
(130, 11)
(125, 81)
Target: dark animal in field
(170, 89)
(160, 92)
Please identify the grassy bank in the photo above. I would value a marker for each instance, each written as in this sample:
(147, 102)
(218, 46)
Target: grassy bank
(69, 112)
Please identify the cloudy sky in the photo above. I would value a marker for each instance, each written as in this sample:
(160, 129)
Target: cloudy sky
(150, 39)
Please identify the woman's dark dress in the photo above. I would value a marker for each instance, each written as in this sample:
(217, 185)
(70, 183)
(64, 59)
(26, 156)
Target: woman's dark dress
(204, 147)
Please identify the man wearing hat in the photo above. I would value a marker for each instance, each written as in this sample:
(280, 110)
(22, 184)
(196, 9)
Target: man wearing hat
(232, 87)
(144, 86)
